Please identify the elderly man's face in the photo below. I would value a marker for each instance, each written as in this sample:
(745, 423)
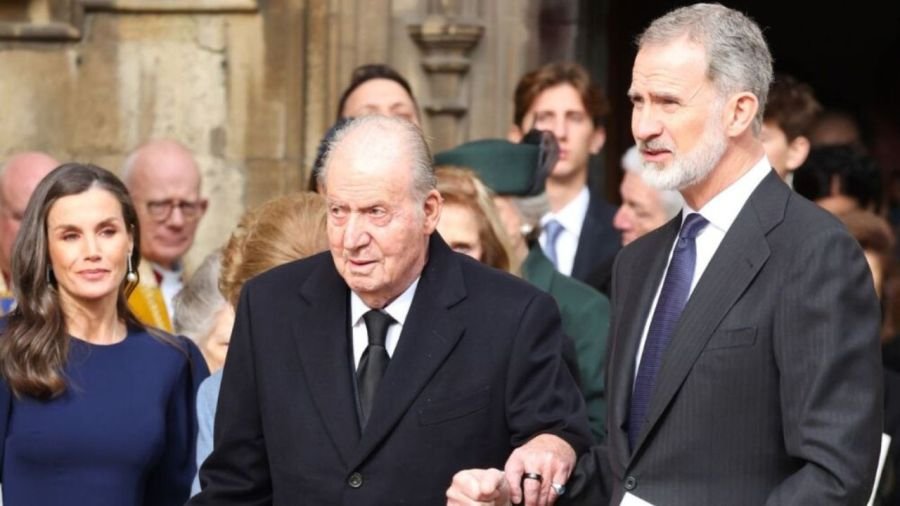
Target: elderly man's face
(166, 192)
(23, 173)
(677, 117)
(641, 210)
(377, 230)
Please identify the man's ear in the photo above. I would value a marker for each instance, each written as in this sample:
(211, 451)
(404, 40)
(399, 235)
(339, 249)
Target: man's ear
(514, 134)
(740, 111)
(598, 139)
(432, 210)
(798, 150)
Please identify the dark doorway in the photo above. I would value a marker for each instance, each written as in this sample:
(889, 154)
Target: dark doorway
(849, 52)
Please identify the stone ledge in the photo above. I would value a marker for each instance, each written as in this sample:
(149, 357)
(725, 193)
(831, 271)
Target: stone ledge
(66, 16)
(47, 31)
(179, 6)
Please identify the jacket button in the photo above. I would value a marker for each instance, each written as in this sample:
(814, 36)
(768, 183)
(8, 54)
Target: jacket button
(630, 483)
(355, 480)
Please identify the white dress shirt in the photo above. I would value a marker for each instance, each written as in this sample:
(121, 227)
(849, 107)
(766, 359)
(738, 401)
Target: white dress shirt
(571, 217)
(398, 309)
(720, 212)
(170, 283)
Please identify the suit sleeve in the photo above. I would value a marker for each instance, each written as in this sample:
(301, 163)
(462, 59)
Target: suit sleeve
(591, 326)
(827, 349)
(541, 395)
(591, 481)
(237, 470)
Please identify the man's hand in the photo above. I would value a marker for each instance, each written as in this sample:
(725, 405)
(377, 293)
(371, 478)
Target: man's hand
(545, 455)
(483, 487)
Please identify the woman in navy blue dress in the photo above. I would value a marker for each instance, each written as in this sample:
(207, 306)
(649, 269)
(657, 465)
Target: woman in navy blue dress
(94, 408)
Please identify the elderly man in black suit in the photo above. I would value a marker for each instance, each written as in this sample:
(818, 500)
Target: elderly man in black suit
(744, 350)
(370, 374)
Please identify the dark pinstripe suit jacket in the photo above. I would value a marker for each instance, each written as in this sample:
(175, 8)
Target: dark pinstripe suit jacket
(770, 391)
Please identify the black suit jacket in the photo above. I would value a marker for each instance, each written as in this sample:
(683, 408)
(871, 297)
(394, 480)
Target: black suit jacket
(476, 372)
(770, 390)
(598, 241)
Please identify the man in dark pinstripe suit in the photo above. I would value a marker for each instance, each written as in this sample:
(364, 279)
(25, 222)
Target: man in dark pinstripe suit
(766, 389)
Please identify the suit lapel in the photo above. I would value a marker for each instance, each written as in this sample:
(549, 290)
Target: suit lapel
(735, 264)
(429, 334)
(324, 351)
(591, 235)
(598, 239)
(651, 256)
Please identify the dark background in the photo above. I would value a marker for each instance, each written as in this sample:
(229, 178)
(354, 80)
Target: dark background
(848, 53)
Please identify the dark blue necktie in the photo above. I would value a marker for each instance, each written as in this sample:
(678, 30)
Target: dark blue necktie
(672, 298)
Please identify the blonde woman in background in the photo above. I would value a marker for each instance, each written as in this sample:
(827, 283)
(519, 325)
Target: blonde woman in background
(279, 231)
(469, 222)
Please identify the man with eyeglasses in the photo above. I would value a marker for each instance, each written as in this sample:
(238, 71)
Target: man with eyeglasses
(18, 178)
(164, 182)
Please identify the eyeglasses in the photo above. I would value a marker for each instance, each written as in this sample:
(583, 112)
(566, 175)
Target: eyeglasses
(160, 210)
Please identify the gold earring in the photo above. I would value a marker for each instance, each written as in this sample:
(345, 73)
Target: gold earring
(131, 276)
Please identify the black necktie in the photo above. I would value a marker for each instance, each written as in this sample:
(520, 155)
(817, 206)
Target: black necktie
(672, 298)
(374, 360)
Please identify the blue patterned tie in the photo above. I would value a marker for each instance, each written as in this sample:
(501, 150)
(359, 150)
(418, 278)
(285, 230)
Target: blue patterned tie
(553, 229)
(672, 298)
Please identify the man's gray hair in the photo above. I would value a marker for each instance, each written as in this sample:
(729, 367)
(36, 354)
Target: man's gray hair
(376, 128)
(671, 200)
(532, 209)
(738, 56)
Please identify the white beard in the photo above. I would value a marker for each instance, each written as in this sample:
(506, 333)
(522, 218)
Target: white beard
(691, 167)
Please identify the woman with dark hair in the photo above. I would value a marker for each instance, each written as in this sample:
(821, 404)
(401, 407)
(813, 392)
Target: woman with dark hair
(94, 407)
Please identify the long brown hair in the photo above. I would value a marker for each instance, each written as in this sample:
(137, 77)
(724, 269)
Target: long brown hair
(35, 344)
(537, 81)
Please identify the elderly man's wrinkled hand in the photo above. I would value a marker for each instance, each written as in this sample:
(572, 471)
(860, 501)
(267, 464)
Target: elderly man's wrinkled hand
(538, 470)
(481, 487)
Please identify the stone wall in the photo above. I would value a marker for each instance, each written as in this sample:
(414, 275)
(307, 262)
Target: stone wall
(249, 86)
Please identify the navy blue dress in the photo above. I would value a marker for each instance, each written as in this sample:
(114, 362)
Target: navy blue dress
(123, 433)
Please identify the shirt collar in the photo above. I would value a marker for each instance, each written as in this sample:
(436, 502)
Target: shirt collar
(166, 273)
(398, 309)
(162, 274)
(571, 216)
(722, 210)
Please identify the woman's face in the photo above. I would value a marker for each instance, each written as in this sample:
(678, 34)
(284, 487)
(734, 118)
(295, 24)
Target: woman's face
(459, 228)
(215, 344)
(88, 243)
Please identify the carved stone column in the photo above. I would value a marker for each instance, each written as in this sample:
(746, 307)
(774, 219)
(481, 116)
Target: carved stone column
(446, 42)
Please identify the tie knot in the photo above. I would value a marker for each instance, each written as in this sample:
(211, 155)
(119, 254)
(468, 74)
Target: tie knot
(693, 225)
(553, 229)
(377, 323)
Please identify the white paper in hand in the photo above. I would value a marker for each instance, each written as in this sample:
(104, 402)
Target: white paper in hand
(633, 500)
